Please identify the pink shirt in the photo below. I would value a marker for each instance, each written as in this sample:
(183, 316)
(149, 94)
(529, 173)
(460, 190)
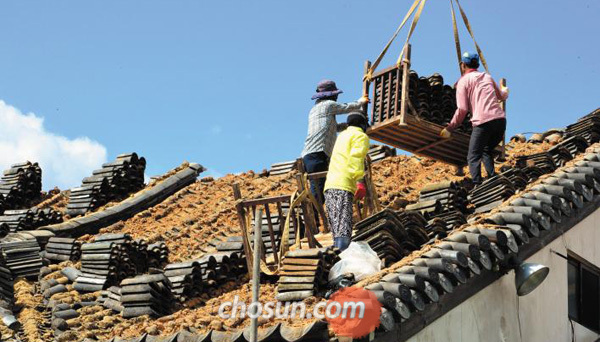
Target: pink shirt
(476, 92)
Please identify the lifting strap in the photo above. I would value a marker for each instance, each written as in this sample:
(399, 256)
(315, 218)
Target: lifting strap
(369, 73)
(456, 37)
(412, 29)
(468, 26)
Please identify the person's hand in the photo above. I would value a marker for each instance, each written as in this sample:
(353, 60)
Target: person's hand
(361, 191)
(364, 100)
(504, 89)
(445, 133)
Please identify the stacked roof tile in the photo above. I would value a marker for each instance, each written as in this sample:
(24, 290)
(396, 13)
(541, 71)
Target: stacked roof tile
(588, 127)
(20, 185)
(380, 152)
(61, 249)
(536, 214)
(113, 181)
(305, 273)
(32, 218)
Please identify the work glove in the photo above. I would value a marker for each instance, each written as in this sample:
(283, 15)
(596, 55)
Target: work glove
(445, 133)
(361, 191)
(363, 100)
(504, 89)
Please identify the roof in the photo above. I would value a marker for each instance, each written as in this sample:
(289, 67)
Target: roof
(525, 245)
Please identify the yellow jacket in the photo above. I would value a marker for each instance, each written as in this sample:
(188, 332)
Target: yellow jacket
(347, 165)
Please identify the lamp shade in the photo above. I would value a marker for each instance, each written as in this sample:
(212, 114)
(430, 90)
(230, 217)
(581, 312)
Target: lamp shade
(528, 276)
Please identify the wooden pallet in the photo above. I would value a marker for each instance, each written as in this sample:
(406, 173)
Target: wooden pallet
(395, 121)
(422, 138)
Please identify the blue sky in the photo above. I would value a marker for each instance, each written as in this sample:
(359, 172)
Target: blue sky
(228, 83)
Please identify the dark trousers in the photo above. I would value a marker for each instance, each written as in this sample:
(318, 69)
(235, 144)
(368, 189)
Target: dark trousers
(484, 140)
(317, 162)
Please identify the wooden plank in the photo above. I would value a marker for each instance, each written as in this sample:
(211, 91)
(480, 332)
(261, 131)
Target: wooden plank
(382, 114)
(265, 200)
(454, 151)
(271, 234)
(405, 81)
(237, 195)
(366, 84)
(387, 140)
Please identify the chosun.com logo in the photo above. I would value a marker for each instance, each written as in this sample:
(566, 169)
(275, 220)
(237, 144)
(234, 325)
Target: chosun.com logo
(351, 312)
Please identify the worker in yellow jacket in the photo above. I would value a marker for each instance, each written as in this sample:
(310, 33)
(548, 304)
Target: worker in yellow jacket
(345, 178)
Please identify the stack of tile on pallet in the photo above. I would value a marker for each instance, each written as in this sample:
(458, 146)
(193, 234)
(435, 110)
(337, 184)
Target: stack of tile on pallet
(587, 127)
(111, 299)
(27, 219)
(146, 295)
(304, 273)
(21, 184)
(21, 258)
(113, 181)
(380, 152)
(543, 161)
(158, 255)
(492, 192)
(186, 279)
(283, 168)
(387, 236)
(62, 249)
(433, 101)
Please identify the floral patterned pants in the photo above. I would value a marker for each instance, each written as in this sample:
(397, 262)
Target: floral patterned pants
(339, 211)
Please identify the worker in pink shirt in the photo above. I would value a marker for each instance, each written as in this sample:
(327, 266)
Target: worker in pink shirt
(477, 93)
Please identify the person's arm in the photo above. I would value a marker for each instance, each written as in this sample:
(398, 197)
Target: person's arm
(501, 92)
(336, 108)
(356, 160)
(462, 104)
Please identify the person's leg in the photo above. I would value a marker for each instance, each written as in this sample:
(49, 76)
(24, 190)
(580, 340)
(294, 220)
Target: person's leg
(331, 207)
(316, 162)
(494, 130)
(342, 241)
(476, 145)
(339, 209)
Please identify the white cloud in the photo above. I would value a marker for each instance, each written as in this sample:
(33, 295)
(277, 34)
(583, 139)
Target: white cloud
(64, 161)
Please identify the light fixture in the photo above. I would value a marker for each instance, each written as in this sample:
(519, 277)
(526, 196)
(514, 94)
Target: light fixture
(528, 276)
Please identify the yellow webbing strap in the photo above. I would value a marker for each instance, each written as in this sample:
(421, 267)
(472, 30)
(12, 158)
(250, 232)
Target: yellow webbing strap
(369, 73)
(464, 16)
(456, 37)
(412, 29)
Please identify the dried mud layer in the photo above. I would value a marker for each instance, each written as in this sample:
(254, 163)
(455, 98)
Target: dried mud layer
(201, 212)
(187, 221)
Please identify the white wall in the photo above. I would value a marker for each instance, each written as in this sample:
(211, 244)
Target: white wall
(491, 314)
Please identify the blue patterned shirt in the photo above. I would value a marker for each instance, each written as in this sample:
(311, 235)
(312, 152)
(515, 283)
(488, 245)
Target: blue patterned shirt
(322, 125)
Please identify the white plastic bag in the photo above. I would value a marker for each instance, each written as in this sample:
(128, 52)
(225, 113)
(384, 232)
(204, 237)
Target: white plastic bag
(358, 259)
